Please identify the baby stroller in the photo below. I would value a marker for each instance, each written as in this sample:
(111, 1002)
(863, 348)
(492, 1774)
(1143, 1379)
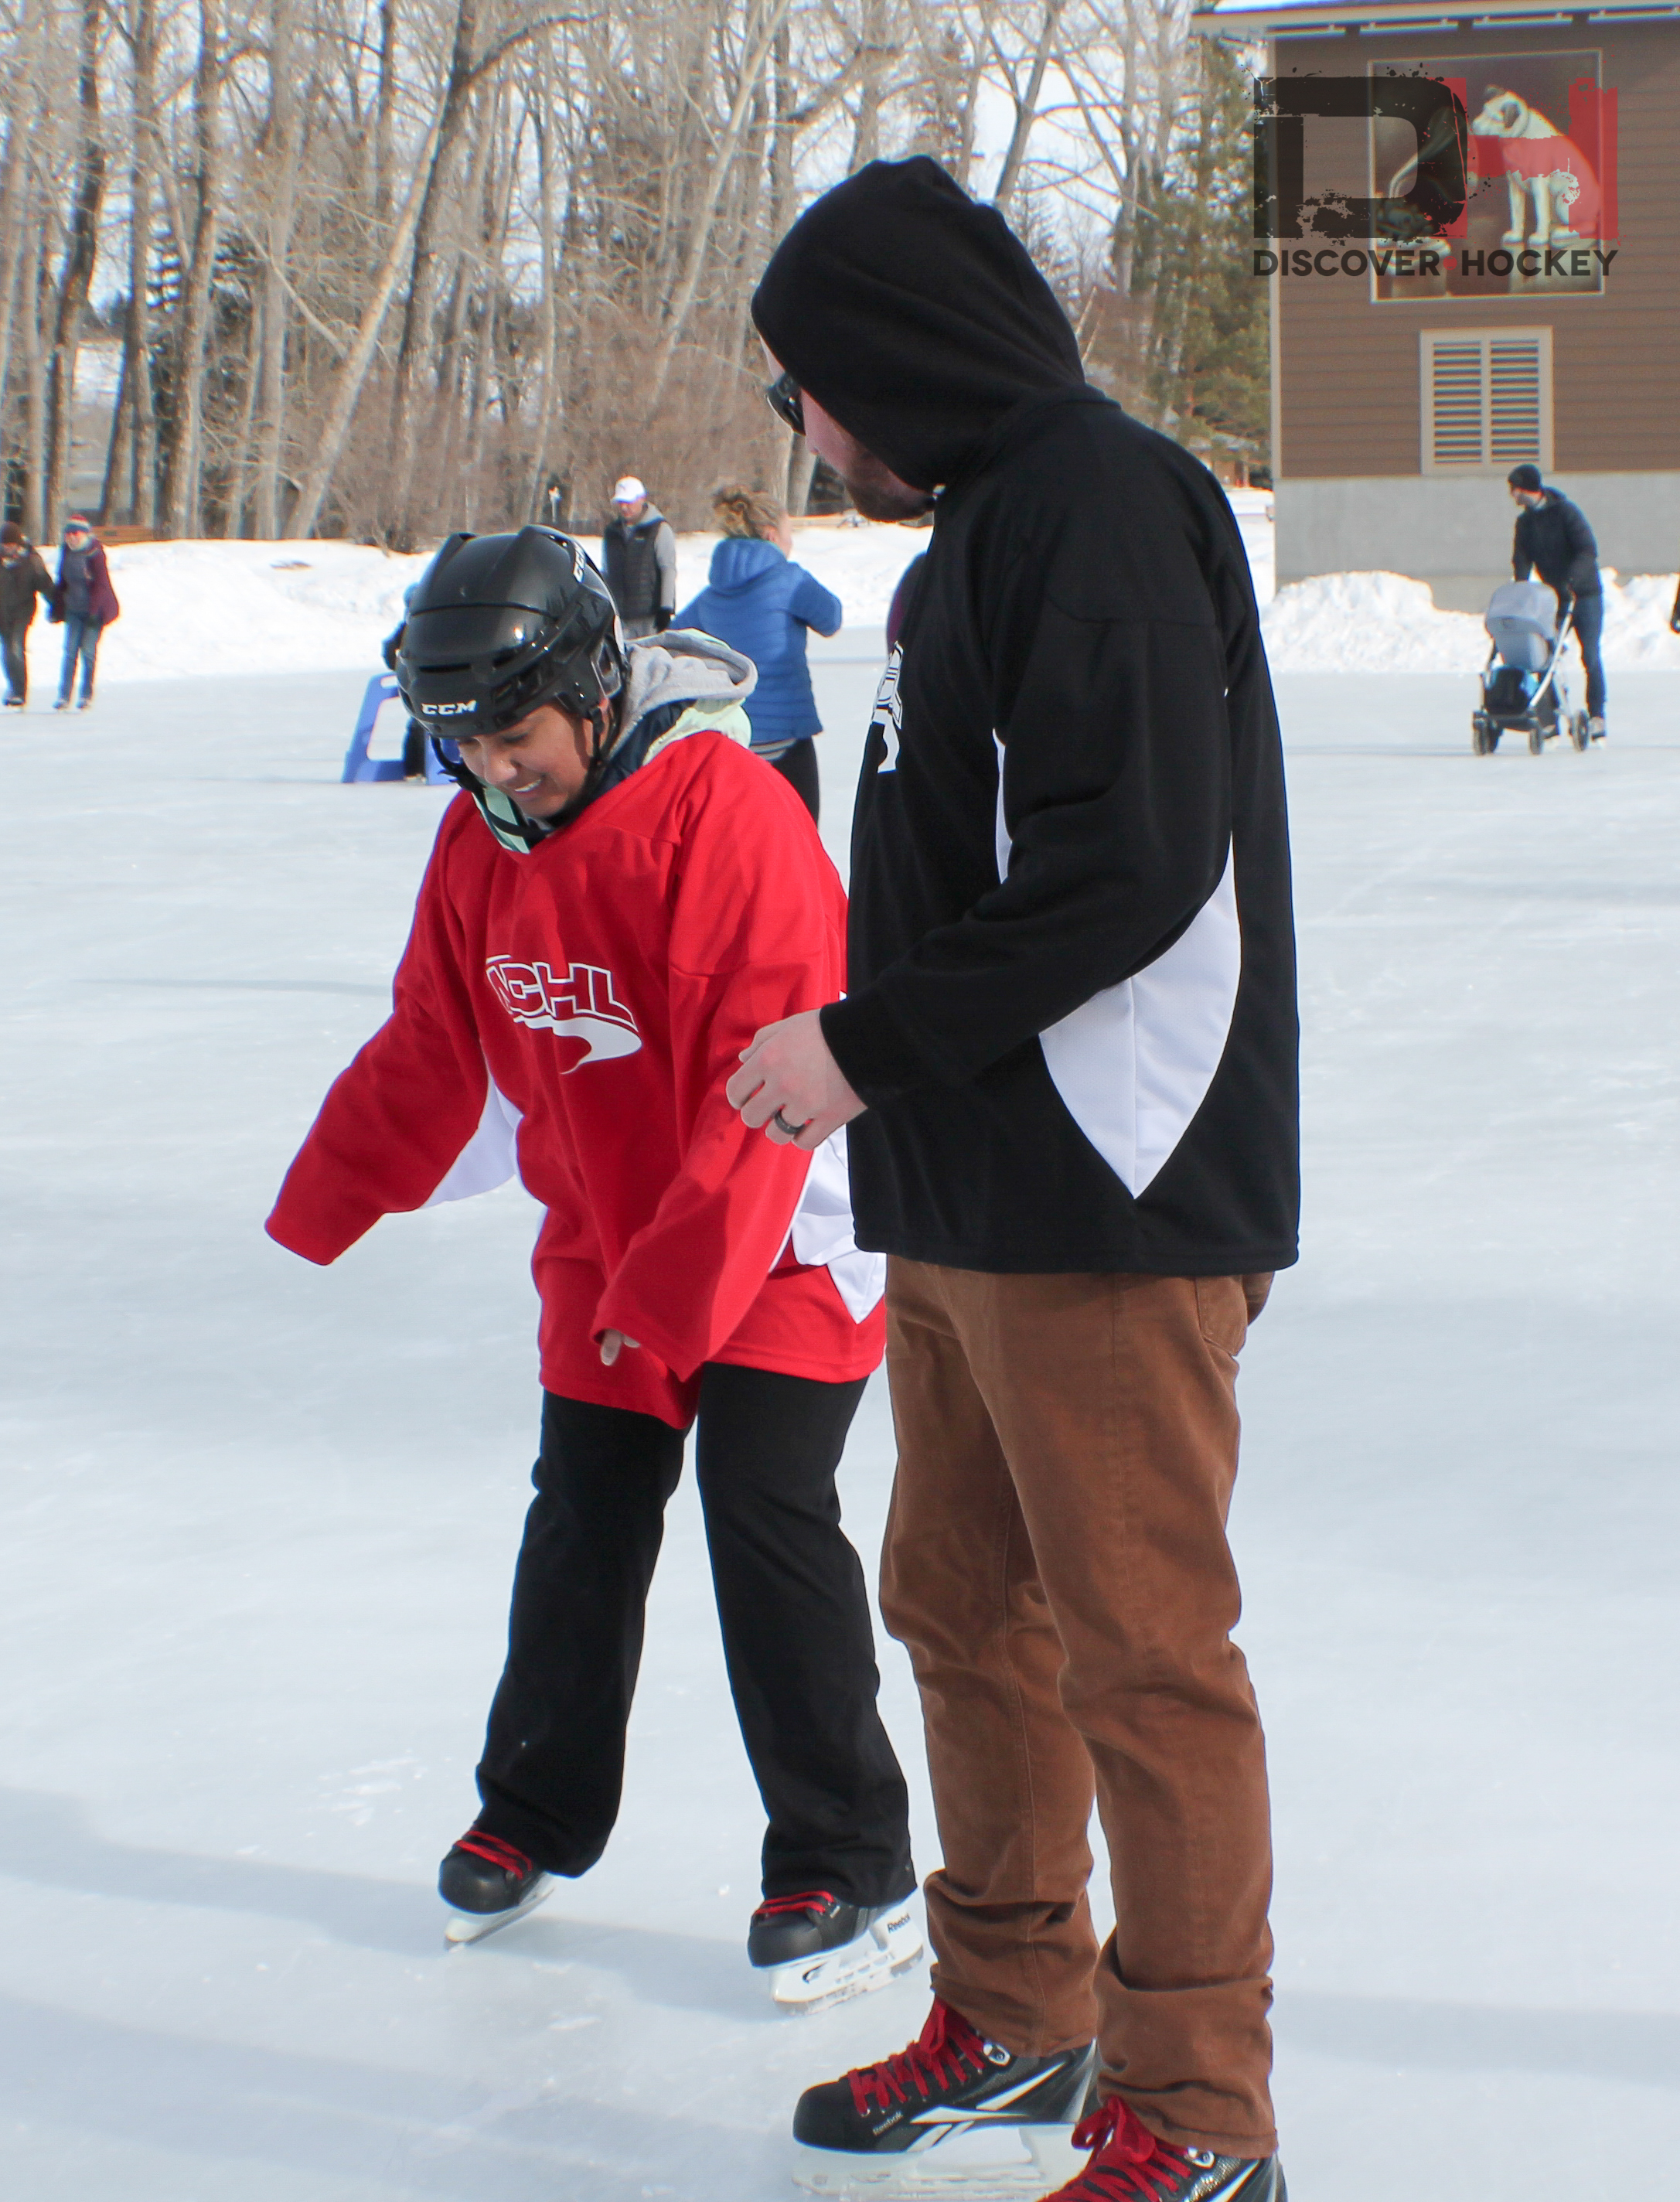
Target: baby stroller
(1522, 685)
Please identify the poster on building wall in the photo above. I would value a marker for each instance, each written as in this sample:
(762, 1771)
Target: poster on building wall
(1539, 219)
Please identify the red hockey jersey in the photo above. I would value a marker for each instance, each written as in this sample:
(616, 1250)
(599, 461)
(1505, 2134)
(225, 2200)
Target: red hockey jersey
(596, 993)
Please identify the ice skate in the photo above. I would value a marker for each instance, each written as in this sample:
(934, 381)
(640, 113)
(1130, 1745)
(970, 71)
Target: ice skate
(816, 1951)
(487, 1884)
(953, 2115)
(1130, 2164)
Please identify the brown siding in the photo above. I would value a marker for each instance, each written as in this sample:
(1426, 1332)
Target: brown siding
(1348, 366)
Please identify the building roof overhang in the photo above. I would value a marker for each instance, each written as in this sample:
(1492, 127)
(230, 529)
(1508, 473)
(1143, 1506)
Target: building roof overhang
(1297, 19)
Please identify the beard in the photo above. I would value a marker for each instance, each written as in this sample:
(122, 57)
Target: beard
(877, 492)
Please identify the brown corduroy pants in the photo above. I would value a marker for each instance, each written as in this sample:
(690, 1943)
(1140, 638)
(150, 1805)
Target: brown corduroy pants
(1056, 1564)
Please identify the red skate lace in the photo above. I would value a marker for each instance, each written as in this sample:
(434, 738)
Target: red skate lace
(1130, 2161)
(946, 2044)
(813, 1900)
(494, 1851)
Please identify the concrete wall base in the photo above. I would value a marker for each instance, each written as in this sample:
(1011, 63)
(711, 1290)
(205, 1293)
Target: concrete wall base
(1455, 532)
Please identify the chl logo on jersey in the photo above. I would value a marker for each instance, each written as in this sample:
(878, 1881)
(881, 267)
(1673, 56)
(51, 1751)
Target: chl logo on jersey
(889, 712)
(579, 1006)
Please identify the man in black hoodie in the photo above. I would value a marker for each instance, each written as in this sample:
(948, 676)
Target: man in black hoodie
(1068, 1060)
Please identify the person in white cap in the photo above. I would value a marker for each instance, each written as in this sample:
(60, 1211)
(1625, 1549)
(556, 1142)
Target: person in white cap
(639, 558)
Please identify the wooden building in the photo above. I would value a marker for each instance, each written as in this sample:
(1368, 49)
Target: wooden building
(1410, 372)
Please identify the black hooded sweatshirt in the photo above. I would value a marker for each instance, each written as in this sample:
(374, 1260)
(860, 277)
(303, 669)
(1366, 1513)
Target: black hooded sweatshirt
(1072, 1006)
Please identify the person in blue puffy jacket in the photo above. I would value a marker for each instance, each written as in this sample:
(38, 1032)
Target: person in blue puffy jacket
(763, 605)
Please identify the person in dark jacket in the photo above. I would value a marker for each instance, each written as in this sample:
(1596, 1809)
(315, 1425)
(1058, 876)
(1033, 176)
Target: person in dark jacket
(639, 558)
(763, 605)
(1553, 540)
(1068, 1061)
(86, 602)
(23, 577)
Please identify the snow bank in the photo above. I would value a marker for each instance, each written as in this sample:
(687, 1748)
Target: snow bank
(228, 608)
(1368, 623)
(1384, 623)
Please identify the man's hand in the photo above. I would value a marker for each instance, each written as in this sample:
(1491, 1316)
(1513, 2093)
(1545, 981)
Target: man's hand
(789, 1083)
(613, 1343)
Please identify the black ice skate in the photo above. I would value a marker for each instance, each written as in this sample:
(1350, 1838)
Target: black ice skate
(486, 1884)
(818, 1951)
(953, 2114)
(1132, 2164)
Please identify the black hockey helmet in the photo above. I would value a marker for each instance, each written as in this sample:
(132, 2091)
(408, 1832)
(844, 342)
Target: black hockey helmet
(499, 624)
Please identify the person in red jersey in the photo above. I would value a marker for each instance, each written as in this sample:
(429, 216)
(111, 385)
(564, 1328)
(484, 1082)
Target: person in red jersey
(619, 897)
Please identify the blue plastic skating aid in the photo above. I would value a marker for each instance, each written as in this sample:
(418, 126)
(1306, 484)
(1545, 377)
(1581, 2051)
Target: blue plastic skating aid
(358, 765)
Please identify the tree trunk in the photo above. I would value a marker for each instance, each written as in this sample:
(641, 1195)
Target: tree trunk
(876, 54)
(137, 327)
(11, 268)
(542, 115)
(185, 455)
(1026, 107)
(353, 370)
(283, 152)
(81, 247)
(700, 234)
(119, 449)
(385, 108)
(38, 518)
(420, 303)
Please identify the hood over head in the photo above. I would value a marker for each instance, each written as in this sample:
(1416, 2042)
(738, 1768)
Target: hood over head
(739, 559)
(914, 316)
(684, 666)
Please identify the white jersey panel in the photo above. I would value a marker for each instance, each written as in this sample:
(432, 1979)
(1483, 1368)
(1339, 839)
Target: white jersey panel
(489, 1159)
(1133, 1064)
(821, 1232)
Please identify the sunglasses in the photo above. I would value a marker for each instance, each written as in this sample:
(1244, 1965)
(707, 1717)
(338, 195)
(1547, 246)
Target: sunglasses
(782, 397)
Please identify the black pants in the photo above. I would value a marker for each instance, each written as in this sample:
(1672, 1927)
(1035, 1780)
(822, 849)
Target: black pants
(798, 766)
(1589, 626)
(12, 641)
(797, 1633)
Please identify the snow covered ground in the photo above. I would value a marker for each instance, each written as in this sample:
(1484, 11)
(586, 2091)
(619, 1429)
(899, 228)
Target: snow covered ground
(258, 1519)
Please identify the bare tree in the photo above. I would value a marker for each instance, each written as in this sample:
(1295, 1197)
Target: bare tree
(374, 266)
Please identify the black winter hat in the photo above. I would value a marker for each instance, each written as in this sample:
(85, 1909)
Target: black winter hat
(1525, 477)
(914, 316)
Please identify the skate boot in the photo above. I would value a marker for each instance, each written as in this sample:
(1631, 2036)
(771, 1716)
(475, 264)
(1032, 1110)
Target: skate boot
(818, 1951)
(1596, 730)
(953, 2114)
(1132, 2164)
(486, 1884)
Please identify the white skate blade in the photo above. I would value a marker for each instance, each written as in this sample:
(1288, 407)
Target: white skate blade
(986, 2164)
(870, 1961)
(473, 1925)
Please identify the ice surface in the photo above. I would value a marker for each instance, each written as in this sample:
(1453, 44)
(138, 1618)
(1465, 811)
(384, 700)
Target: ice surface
(260, 1518)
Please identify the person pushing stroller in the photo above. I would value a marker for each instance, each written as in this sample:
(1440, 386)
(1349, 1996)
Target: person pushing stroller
(1553, 539)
